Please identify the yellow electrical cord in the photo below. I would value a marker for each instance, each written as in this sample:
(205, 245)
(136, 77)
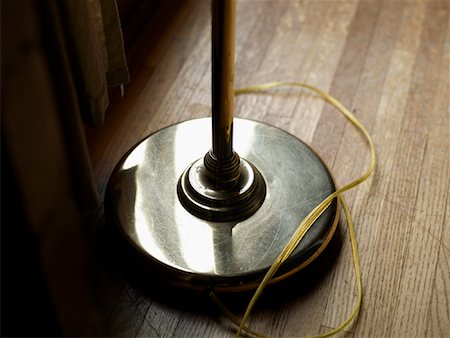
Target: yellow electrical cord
(308, 222)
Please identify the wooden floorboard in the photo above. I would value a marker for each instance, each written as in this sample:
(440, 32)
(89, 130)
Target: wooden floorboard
(387, 61)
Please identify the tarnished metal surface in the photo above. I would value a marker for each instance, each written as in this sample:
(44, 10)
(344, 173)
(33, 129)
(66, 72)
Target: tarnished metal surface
(142, 200)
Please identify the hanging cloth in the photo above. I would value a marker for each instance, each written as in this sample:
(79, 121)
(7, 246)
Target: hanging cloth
(93, 40)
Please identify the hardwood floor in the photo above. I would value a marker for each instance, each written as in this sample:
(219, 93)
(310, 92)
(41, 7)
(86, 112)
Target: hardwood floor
(388, 61)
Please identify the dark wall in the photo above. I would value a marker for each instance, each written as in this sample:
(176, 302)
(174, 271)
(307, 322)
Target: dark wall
(26, 309)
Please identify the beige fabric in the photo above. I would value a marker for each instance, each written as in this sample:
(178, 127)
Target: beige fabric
(117, 70)
(91, 29)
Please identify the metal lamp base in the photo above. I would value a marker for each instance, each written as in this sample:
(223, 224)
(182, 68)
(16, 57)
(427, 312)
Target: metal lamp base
(183, 249)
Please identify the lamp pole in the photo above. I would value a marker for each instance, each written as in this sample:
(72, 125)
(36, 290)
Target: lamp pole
(223, 42)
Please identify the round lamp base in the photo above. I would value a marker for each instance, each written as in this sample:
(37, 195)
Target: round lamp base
(188, 251)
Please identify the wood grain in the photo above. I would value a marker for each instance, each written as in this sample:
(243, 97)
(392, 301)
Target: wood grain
(388, 61)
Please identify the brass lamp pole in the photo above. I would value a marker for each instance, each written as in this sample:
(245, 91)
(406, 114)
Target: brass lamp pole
(221, 186)
(223, 42)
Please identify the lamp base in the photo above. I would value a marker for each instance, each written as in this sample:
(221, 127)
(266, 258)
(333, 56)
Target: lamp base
(188, 251)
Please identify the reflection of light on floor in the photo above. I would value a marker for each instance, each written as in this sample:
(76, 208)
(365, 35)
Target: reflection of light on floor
(196, 241)
(135, 158)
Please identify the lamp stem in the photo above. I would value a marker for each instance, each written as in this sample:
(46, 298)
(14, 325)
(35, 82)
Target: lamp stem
(223, 42)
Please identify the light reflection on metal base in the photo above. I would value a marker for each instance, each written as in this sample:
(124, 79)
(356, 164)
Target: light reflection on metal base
(185, 250)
